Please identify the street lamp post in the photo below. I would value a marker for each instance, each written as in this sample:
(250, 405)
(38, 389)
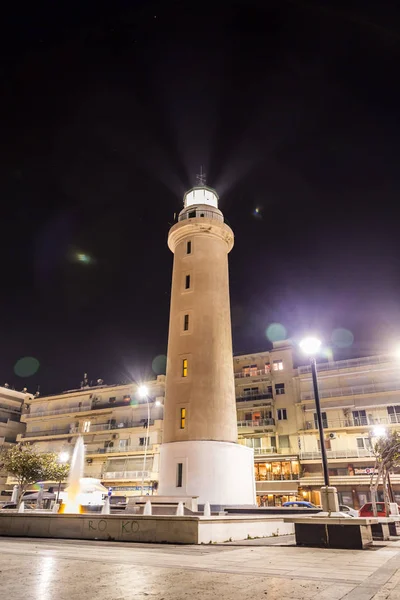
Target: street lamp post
(311, 346)
(63, 458)
(143, 393)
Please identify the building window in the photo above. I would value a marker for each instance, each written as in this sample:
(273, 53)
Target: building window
(284, 441)
(144, 441)
(192, 214)
(179, 474)
(360, 417)
(267, 368)
(324, 420)
(279, 388)
(86, 426)
(123, 443)
(184, 367)
(187, 282)
(186, 323)
(278, 365)
(183, 418)
(363, 443)
(394, 414)
(188, 247)
(282, 414)
(250, 391)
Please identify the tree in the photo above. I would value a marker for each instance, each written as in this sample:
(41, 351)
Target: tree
(387, 456)
(29, 467)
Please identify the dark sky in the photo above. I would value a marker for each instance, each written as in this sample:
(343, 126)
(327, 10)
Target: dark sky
(107, 111)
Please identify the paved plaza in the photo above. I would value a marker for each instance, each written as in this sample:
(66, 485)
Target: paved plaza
(46, 569)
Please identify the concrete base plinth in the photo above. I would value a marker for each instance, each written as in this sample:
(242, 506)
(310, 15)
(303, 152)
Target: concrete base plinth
(333, 532)
(329, 499)
(140, 528)
(221, 473)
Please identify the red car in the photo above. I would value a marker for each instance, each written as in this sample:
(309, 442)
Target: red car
(367, 511)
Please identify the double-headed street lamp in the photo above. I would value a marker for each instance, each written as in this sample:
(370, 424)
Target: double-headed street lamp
(144, 393)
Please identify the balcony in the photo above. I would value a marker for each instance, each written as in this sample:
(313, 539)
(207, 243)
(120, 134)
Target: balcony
(255, 373)
(260, 451)
(354, 422)
(9, 408)
(271, 477)
(129, 475)
(318, 480)
(93, 429)
(257, 423)
(47, 433)
(334, 454)
(126, 449)
(348, 364)
(87, 408)
(252, 397)
(354, 390)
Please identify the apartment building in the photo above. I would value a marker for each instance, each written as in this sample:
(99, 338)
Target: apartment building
(113, 423)
(11, 406)
(275, 413)
(360, 398)
(267, 420)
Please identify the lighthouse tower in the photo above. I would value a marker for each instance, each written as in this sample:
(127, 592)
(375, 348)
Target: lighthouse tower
(200, 456)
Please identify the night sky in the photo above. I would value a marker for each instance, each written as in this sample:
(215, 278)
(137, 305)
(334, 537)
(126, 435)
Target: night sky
(107, 112)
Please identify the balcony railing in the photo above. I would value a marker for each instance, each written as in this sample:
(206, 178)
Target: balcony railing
(332, 454)
(354, 390)
(86, 408)
(348, 364)
(257, 423)
(32, 434)
(255, 373)
(269, 450)
(271, 477)
(252, 397)
(355, 422)
(131, 475)
(9, 408)
(197, 213)
(93, 429)
(139, 448)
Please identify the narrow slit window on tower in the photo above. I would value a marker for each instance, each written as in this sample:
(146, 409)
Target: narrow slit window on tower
(187, 282)
(183, 418)
(189, 247)
(179, 474)
(186, 323)
(184, 367)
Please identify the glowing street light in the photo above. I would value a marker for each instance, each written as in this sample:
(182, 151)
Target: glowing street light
(63, 457)
(310, 346)
(143, 391)
(379, 431)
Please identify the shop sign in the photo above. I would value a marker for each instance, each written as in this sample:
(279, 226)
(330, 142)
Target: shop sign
(365, 471)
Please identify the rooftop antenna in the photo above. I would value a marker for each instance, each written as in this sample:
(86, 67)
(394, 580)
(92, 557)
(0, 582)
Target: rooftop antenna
(201, 177)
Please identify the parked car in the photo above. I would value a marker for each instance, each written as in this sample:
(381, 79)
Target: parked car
(352, 512)
(300, 504)
(366, 510)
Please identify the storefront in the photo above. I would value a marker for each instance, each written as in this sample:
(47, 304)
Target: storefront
(276, 481)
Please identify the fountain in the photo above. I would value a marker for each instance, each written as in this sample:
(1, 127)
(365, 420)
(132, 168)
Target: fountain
(72, 505)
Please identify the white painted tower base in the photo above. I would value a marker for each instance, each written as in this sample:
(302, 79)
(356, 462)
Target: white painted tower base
(221, 473)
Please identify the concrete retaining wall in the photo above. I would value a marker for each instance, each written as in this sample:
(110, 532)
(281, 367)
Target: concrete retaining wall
(156, 529)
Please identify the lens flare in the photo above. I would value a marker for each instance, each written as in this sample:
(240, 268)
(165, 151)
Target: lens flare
(276, 332)
(342, 338)
(26, 367)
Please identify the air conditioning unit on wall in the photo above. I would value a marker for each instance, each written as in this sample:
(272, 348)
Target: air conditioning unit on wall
(332, 436)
